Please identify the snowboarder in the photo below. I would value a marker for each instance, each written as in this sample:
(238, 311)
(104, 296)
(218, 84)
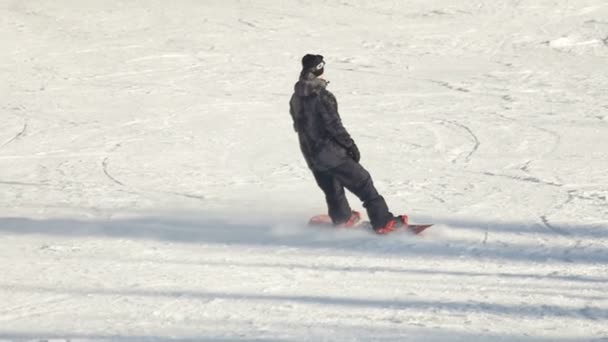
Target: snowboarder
(331, 153)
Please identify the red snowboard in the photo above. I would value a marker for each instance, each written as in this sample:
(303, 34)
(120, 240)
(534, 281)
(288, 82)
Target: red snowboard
(325, 221)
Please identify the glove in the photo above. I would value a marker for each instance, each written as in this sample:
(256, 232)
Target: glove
(353, 152)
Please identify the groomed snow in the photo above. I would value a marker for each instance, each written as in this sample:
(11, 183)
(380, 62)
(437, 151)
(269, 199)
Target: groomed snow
(151, 186)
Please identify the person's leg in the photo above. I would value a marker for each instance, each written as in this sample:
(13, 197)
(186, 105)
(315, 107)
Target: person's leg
(337, 204)
(358, 181)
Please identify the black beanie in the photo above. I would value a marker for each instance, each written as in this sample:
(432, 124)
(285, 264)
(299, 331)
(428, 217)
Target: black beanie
(313, 63)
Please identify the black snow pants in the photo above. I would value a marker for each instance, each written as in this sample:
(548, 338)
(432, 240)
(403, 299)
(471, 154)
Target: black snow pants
(352, 176)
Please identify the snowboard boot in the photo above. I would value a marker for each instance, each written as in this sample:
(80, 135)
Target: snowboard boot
(392, 225)
(352, 221)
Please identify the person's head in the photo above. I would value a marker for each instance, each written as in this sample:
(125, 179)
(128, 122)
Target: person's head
(313, 64)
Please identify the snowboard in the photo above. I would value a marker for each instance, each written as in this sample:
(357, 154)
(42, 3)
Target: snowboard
(324, 220)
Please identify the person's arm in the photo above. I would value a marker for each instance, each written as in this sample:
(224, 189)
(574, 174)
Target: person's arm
(334, 127)
(293, 113)
(332, 121)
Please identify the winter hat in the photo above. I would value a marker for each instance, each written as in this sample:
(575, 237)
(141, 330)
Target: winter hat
(313, 63)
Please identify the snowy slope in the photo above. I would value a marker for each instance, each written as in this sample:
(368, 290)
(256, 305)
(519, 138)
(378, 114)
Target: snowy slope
(151, 186)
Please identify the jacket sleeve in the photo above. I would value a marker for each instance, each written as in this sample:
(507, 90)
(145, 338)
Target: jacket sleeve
(333, 122)
(293, 113)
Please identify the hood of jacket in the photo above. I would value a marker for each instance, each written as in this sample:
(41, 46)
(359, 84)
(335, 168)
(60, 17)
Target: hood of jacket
(309, 84)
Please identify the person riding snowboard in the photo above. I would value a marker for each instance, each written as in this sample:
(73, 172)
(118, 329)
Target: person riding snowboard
(331, 154)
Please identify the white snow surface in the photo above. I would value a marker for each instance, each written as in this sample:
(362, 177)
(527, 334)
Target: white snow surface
(152, 188)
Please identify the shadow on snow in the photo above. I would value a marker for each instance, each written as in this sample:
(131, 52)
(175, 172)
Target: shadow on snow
(181, 228)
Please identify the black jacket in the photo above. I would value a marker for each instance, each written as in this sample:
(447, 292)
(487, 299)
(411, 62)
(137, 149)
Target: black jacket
(323, 139)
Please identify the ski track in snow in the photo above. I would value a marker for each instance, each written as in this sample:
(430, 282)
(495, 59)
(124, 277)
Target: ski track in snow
(17, 111)
(17, 136)
(151, 186)
(104, 165)
(474, 139)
